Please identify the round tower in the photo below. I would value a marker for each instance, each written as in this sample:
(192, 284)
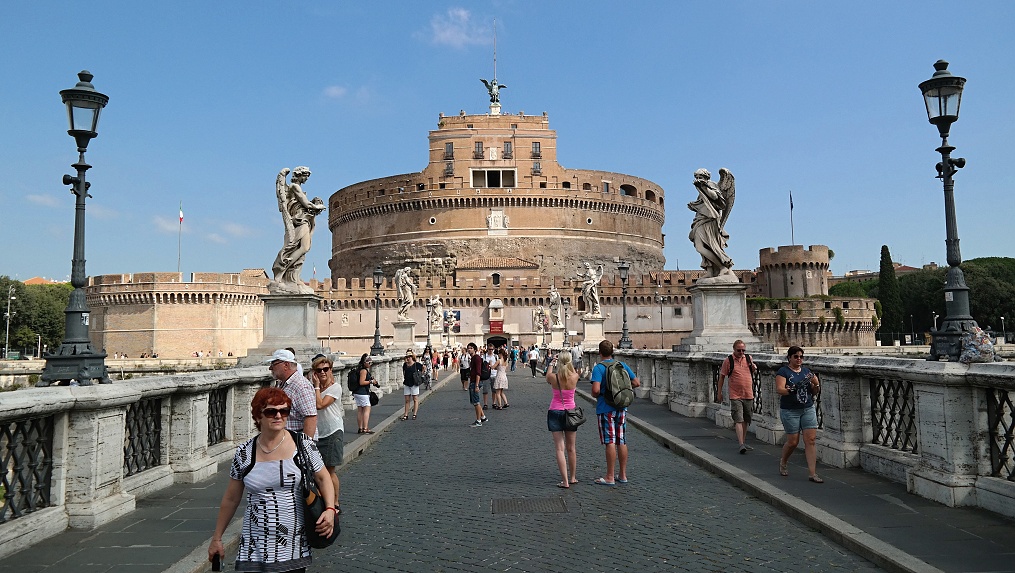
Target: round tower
(792, 272)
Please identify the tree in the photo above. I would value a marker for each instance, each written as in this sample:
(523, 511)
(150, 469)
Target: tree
(36, 310)
(848, 289)
(888, 295)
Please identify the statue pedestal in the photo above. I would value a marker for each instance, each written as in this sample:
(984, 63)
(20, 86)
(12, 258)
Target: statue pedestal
(405, 335)
(290, 321)
(557, 337)
(719, 319)
(494, 109)
(594, 333)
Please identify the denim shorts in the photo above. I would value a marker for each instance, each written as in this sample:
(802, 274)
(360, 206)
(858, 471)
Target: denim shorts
(555, 420)
(473, 394)
(793, 421)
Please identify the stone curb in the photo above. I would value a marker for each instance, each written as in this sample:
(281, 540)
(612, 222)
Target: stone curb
(197, 560)
(849, 536)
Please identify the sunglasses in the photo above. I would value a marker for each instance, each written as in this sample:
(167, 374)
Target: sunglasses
(273, 412)
(323, 370)
(797, 356)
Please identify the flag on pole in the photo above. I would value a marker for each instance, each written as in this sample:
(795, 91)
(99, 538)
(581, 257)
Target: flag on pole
(790, 203)
(315, 271)
(181, 212)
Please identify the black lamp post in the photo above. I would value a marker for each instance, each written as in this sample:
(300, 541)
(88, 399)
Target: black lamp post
(429, 311)
(623, 267)
(566, 303)
(75, 359)
(661, 299)
(377, 349)
(942, 94)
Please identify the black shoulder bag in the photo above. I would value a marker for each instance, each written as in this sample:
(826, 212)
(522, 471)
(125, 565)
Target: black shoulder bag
(313, 500)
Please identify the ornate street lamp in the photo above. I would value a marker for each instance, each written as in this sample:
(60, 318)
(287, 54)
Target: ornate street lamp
(566, 303)
(75, 359)
(1003, 335)
(7, 340)
(942, 94)
(429, 311)
(377, 349)
(623, 267)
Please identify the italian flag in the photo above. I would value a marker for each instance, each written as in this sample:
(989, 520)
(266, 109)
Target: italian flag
(181, 212)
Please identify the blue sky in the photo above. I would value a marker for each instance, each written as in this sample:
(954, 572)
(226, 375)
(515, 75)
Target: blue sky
(208, 100)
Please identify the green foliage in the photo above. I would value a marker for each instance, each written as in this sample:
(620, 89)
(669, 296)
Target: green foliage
(831, 254)
(848, 289)
(877, 309)
(991, 282)
(839, 318)
(782, 318)
(36, 310)
(822, 320)
(888, 294)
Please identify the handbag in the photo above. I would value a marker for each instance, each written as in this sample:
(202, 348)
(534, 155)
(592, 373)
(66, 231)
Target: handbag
(375, 398)
(575, 416)
(313, 500)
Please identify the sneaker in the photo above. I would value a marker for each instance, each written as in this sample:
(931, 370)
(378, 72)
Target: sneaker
(749, 448)
(743, 449)
(476, 424)
(483, 419)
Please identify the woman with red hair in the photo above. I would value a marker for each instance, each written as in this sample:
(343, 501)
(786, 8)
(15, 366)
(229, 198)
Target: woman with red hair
(271, 476)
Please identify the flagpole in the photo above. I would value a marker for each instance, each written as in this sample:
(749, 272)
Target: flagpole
(179, 240)
(792, 233)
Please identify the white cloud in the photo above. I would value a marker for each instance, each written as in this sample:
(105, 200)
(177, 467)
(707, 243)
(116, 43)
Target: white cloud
(166, 224)
(457, 29)
(100, 212)
(216, 238)
(237, 230)
(335, 92)
(44, 200)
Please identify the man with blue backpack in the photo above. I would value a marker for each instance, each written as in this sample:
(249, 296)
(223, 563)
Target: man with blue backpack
(613, 384)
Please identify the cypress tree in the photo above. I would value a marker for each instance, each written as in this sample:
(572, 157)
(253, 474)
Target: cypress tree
(891, 300)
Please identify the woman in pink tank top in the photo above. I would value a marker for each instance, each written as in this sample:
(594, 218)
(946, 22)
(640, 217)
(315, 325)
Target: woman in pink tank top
(563, 379)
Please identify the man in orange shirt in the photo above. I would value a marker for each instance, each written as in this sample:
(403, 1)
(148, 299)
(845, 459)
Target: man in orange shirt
(740, 369)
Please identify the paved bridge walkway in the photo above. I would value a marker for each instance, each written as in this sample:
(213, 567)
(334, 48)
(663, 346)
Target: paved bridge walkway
(434, 494)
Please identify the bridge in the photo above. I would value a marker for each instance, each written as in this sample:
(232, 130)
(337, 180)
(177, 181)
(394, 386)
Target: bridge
(92, 473)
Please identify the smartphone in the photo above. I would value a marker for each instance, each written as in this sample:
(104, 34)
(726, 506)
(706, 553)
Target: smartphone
(216, 563)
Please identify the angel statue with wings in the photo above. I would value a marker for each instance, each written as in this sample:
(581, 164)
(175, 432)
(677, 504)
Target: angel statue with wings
(590, 288)
(708, 230)
(298, 218)
(494, 89)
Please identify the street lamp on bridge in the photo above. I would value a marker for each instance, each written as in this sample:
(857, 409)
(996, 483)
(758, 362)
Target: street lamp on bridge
(75, 359)
(377, 349)
(623, 268)
(942, 95)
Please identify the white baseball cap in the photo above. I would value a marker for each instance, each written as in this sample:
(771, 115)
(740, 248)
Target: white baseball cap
(283, 355)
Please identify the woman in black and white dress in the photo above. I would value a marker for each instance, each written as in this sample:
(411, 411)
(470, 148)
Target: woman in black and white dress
(273, 536)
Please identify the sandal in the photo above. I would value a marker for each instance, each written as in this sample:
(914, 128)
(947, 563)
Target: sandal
(783, 469)
(414, 416)
(405, 418)
(814, 478)
(563, 485)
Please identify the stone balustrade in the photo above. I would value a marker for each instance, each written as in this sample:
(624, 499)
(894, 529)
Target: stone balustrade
(942, 428)
(80, 456)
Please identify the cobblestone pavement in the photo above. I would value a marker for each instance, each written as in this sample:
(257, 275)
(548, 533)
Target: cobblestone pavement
(434, 494)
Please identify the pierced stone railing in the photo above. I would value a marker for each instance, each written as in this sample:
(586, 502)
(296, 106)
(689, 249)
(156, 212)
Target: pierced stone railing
(80, 456)
(946, 430)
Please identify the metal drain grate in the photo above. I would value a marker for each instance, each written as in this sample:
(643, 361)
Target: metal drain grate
(529, 505)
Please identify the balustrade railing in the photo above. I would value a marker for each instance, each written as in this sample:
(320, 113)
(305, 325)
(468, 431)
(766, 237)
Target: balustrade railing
(26, 447)
(893, 417)
(1002, 433)
(142, 444)
(217, 401)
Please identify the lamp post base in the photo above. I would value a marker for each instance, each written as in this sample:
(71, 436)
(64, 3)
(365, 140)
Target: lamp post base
(75, 362)
(947, 342)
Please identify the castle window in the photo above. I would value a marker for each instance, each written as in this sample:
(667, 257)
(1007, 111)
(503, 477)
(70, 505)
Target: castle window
(606, 186)
(628, 190)
(542, 184)
(420, 186)
(586, 186)
(677, 311)
(449, 169)
(442, 185)
(493, 178)
(496, 279)
(537, 169)
(845, 304)
(565, 184)
(449, 151)
(537, 152)
(508, 150)
(478, 152)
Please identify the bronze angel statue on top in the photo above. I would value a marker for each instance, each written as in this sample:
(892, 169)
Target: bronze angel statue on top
(494, 89)
(298, 218)
(708, 230)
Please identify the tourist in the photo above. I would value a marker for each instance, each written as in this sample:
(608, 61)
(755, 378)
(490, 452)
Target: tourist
(740, 369)
(500, 381)
(289, 377)
(463, 369)
(797, 386)
(330, 418)
(514, 357)
(362, 393)
(612, 421)
(533, 359)
(268, 540)
(475, 367)
(486, 384)
(563, 380)
(412, 378)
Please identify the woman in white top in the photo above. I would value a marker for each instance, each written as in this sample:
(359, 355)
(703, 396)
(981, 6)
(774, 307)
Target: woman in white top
(500, 381)
(330, 418)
